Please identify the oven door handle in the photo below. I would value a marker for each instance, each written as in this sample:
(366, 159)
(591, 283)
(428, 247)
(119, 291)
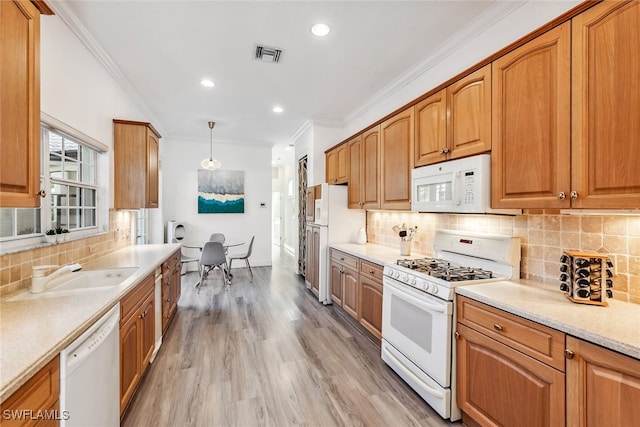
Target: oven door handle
(432, 391)
(417, 301)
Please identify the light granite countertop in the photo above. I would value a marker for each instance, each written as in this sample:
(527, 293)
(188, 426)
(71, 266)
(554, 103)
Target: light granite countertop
(616, 327)
(371, 252)
(33, 332)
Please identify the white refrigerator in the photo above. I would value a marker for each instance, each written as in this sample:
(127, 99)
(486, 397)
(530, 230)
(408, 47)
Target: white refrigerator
(338, 224)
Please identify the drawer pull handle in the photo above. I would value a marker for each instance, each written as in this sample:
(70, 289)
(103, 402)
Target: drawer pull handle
(497, 326)
(371, 271)
(568, 353)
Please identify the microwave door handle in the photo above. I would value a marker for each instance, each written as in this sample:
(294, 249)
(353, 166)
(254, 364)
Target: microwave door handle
(457, 188)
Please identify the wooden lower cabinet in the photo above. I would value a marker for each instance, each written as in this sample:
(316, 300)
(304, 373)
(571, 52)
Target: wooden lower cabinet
(137, 337)
(312, 259)
(171, 288)
(371, 305)
(603, 387)
(38, 396)
(356, 286)
(499, 386)
(510, 371)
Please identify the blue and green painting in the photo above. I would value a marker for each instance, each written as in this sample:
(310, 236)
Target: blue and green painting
(220, 191)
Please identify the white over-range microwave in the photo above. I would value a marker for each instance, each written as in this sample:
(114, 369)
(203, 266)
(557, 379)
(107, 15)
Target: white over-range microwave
(455, 186)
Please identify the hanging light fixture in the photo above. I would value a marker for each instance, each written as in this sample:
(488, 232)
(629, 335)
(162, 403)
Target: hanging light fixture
(211, 163)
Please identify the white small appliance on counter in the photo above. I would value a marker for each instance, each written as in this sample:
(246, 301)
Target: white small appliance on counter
(338, 224)
(455, 186)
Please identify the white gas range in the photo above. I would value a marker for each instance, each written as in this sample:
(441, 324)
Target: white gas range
(418, 308)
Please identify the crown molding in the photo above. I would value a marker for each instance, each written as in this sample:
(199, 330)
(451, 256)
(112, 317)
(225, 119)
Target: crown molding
(498, 11)
(66, 14)
(308, 124)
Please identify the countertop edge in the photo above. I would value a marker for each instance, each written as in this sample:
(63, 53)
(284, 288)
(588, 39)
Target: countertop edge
(22, 377)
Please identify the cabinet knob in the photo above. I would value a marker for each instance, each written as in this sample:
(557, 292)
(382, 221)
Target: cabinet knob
(41, 193)
(497, 327)
(573, 195)
(444, 151)
(562, 195)
(568, 353)
(457, 335)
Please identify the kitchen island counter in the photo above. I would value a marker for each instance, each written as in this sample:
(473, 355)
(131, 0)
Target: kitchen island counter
(616, 327)
(34, 331)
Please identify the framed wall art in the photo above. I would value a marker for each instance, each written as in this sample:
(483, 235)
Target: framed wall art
(220, 191)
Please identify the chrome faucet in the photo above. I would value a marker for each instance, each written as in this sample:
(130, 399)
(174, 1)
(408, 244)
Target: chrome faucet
(40, 280)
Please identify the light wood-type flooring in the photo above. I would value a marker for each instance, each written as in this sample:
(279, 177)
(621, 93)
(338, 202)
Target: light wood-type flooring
(268, 354)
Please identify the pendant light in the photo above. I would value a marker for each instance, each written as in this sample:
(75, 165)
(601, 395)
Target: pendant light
(211, 163)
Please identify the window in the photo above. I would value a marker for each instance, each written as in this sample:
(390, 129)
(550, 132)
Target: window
(72, 182)
(69, 172)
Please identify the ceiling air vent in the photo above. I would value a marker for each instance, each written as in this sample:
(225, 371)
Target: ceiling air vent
(267, 54)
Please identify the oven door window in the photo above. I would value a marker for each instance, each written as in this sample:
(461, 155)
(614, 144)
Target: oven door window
(419, 326)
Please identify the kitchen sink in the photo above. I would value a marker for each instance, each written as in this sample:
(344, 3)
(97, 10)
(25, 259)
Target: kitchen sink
(80, 282)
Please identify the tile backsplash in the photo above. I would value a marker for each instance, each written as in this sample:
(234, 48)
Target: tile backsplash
(16, 267)
(544, 234)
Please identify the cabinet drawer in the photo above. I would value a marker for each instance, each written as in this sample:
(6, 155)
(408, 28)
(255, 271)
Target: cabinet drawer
(135, 297)
(371, 270)
(344, 259)
(40, 393)
(542, 343)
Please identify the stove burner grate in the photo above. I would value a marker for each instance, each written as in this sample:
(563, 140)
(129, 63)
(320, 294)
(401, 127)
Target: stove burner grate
(444, 270)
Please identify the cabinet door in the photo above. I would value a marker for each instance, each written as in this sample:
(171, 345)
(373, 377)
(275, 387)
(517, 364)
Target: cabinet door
(130, 357)
(152, 170)
(530, 158)
(130, 166)
(336, 283)
(167, 291)
(371, 305)
(431, 129)
(19, 104)
(469, 114)
(355, 173)
(310, 204)
(396, 143)
(606, 106)
(499, 386)
(603, 387)
(147, 323)
(350, 294)
(342, 164)
(331, 159)
(370, 165)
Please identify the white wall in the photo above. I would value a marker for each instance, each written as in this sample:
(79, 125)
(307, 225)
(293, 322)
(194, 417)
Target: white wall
(77, 90)
(180, 162)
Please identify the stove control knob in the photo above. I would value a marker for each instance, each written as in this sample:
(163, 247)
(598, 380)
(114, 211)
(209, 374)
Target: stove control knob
(435, 289)
(405, 278)
(413, 281)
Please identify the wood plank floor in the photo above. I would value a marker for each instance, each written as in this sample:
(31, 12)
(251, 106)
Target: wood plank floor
(267, 354)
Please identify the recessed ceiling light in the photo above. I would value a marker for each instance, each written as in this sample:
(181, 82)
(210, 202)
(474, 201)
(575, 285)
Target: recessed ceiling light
(277, 109)
(207, 83)
(320, 30)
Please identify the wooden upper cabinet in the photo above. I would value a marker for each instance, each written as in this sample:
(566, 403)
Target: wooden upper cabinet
(354, 146)
(19, 104)
(530, 157)
(135, 153)
(431, 129)
(456, 121)
(337, 165)
(364, 170)
(370, 167)
(396, 148)
(469, 114)
(606, 106)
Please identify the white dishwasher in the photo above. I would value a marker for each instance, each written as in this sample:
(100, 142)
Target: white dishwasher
(90, 375)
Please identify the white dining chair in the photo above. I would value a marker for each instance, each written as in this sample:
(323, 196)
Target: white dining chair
(245, 256)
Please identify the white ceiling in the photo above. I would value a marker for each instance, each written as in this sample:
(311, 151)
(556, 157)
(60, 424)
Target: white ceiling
(163, 49)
